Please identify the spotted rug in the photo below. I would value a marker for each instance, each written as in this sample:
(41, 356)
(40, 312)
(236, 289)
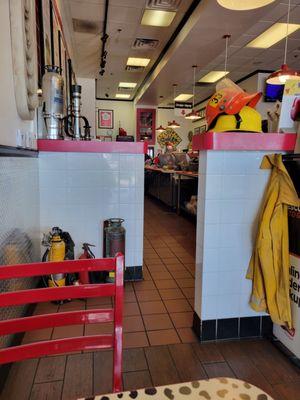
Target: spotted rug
(210, 389)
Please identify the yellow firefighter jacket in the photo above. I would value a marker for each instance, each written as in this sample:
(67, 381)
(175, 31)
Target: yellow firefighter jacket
(269, 265)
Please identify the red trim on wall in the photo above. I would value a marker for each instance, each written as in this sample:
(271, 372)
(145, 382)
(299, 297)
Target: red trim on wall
(244, 141)
(93, 146)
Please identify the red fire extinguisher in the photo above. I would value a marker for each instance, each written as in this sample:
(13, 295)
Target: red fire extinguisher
(87, 253)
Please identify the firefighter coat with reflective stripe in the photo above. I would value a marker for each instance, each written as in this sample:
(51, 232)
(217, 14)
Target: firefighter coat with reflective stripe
(269, 265)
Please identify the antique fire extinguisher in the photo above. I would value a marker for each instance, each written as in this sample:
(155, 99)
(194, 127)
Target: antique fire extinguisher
(84, 277)
(59, 247)
(114, 241)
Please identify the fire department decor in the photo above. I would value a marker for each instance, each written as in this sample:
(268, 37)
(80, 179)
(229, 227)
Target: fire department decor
(169, 136)
(106, 119)
(22, 30)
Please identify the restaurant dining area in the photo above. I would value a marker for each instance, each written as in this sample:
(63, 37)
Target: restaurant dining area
(150, 200)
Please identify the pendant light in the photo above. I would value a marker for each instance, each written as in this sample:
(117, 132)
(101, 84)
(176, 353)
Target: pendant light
(160, 129)
(193, 115)
(173, 124)
(280, 76)
(226, 37)
(240, 5)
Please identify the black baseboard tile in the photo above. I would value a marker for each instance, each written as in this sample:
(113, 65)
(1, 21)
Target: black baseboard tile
(250, 327)
(232, 328)
(197, 325)
(209, 330)
(266, 326)
(133, 273)
(205, 330)
(228, 328)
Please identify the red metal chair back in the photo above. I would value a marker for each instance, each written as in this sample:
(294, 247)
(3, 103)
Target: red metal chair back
(66, 345)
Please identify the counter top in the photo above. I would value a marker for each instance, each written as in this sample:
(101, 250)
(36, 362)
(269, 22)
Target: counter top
(92, 146)
(157, 169)
(188, 173)
(244, 141)
(171, 171)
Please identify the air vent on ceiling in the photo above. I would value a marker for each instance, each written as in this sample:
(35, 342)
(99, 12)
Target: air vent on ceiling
(202, 84)
(145, 44)
(165, 5)
(125, 89)
(134, 68)
(86, 26)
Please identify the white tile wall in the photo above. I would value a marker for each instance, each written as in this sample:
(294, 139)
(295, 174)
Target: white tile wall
(19, 216)
(231, 187)
(79, 191)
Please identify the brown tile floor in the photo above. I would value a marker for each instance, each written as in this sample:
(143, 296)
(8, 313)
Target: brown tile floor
(160, 347)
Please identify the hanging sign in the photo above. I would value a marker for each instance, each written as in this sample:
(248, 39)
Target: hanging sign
(182, 108)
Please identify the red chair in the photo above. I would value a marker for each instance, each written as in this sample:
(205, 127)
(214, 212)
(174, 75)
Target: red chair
(50, 347)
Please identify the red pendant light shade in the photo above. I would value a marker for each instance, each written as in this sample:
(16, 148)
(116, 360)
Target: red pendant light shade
(173, 125)
(192, 115)
(280, 76)
(160, 129)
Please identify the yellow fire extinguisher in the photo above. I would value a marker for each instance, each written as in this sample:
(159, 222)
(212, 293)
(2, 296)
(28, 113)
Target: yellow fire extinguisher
(56, 251)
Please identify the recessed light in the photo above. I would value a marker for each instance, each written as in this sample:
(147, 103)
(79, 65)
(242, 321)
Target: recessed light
(138, 62)
(239, 5)
(273, 35)
(122, 96)
(213, 76)
(158, 18)
(183, 97)
(130, 85)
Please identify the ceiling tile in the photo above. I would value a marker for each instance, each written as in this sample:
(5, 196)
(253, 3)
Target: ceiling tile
(87, 11)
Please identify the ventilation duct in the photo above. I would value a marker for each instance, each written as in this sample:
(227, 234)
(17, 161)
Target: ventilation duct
(165, 5)
(145, 44)
(134, 68)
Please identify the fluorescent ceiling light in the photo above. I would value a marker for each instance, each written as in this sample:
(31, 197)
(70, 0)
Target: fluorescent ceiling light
(127, 85)
(241, 5)
(158, 18)
(272, 35)
(122, 96)
(138, 62)
(213, 76)
(183, 97)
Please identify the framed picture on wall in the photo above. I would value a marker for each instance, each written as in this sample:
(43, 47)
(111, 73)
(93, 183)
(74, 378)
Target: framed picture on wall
(106, 119)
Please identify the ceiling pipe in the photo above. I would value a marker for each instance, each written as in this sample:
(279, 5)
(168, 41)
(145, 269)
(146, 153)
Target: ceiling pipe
(104, 40)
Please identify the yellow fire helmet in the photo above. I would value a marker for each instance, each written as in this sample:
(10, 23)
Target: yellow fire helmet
(246, 120)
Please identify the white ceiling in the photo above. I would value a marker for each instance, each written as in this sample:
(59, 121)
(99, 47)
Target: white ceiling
(200, 42)
(205, 47)
(122, 14)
